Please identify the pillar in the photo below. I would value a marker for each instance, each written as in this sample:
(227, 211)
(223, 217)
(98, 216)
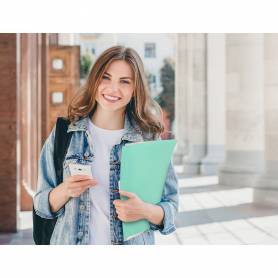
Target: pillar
(215, 104)
(244, 149)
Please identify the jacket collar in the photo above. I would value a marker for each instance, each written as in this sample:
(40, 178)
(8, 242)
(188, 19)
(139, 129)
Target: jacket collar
(132, 132)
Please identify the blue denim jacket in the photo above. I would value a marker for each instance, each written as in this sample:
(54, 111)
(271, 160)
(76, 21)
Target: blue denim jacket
(72, 226)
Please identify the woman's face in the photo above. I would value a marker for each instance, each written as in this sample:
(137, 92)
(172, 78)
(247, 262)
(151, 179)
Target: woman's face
(116, 87)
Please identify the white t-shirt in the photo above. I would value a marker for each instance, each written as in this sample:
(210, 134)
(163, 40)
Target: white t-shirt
(103, 142)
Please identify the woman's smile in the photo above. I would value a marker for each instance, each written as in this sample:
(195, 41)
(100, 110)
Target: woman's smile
(110, 98)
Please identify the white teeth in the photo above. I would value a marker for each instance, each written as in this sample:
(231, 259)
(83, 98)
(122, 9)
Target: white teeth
(111, 97)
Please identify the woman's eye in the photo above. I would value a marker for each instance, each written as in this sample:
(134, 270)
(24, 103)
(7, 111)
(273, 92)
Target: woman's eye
(105, 77)
(125, 81)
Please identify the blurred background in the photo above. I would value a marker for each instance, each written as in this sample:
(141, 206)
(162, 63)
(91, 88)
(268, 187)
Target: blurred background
(219, 95)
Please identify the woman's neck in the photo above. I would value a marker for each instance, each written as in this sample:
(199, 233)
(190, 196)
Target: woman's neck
(112, 120)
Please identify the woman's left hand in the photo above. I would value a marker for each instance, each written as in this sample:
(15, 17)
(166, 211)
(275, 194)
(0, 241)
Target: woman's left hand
(132, 209)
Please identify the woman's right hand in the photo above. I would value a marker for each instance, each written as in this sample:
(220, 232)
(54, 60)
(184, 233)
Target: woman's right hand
(75, 185)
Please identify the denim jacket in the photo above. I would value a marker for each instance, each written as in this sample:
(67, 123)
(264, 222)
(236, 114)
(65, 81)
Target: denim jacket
(73, 219)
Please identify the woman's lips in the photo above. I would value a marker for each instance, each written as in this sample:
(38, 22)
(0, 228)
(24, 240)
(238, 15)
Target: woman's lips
(111, 98)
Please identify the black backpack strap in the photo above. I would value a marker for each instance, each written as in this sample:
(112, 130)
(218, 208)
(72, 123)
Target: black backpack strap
(43, 228)
(61, 144)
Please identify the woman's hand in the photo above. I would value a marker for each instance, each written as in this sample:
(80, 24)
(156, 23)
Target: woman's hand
(75, 185)
(132, 209)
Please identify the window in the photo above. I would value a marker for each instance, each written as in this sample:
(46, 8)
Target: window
(152, 81)
(57, 64)
(149, 50)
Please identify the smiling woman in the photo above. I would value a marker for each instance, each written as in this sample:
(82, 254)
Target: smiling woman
(119, 67)
(112, 109)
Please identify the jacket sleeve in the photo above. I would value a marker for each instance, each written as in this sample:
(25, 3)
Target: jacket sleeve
(169, 203)
(47, 180)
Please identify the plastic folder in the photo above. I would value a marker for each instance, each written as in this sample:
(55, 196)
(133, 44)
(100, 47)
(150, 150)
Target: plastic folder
(144, 167)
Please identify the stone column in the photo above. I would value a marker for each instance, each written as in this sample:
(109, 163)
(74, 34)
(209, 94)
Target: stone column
(266, 191)
(183, 83)
(215, 104)
(244, 110)
(9, 203)
(196, 103)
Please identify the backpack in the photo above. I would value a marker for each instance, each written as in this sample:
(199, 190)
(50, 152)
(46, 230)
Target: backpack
(43, 228)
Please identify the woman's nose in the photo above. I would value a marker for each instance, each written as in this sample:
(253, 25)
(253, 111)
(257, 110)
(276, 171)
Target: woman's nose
(114, 86)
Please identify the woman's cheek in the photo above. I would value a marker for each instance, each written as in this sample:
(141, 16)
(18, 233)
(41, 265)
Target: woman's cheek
(129, 97)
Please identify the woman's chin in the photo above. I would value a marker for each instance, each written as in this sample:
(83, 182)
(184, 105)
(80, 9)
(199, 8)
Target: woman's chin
(112, 107)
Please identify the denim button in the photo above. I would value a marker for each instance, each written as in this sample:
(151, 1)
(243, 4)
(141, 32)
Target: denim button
(80, 235)
(115, 216)
(82, 207)
(86, 155)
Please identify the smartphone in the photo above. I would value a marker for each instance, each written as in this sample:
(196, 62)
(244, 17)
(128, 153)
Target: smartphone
(80, 169)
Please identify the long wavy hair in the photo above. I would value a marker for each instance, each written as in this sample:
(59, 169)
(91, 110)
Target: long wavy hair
(142, 108)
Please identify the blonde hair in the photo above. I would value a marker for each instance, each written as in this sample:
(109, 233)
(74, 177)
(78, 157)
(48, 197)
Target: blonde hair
(142, 108)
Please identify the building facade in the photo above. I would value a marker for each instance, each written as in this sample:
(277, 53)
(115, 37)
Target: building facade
(226, 110)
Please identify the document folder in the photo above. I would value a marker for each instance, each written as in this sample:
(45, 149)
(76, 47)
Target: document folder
(144, 167)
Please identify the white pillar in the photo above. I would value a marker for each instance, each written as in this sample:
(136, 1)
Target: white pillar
(266, 192)
(244, 110)
(196, 106)
(215, 104)
(183, 73)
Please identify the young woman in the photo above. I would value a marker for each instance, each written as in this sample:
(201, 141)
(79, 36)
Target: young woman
(112, 109)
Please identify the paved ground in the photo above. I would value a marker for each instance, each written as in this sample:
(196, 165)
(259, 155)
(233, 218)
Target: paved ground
(209, 214)
(213, 214)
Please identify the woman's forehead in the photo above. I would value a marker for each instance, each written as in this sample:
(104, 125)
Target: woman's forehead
(120, 68)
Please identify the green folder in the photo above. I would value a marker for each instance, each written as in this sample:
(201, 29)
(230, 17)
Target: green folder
(144, 166)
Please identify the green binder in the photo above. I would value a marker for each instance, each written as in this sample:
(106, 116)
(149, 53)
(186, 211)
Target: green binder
(144, 167)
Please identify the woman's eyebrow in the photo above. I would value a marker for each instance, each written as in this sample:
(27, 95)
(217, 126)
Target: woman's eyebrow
(125, 77)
